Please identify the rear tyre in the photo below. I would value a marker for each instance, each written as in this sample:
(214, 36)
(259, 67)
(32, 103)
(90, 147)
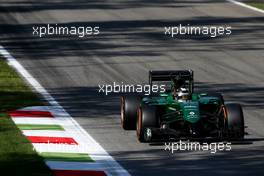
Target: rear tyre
(235, 121)
(147, 118)
(129, 105)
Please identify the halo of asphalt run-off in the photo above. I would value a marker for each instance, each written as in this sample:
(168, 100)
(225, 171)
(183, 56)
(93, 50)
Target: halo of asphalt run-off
(130, 43)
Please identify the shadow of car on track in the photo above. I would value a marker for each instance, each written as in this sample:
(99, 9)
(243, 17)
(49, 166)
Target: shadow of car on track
(245, 161)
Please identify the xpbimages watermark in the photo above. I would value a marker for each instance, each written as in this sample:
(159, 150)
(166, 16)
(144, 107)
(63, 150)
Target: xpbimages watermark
(210, 31)
(62, 30)
(130, 88)
(66, 147)
(196, 146)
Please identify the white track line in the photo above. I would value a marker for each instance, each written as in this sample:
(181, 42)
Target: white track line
(247, 6)
(83, 138)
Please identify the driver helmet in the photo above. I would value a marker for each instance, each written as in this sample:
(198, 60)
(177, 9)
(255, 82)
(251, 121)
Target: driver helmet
(183, 94)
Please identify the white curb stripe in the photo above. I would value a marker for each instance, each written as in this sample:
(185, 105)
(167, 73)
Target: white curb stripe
(81, 136)
(60, 148)
(247, 6)
(78, 166)
(46, 133)
(35, 121)
(40, 147)
(56, 165)
(59, 165)
(37, 108)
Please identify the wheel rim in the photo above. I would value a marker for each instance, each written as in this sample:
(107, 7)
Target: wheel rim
(122, 111)
(139, 123)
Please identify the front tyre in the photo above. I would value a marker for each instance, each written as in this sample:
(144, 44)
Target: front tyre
(129, 105)
(147, 119)
(235, 121)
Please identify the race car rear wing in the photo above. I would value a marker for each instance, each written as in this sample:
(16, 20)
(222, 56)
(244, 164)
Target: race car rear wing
(169, 75)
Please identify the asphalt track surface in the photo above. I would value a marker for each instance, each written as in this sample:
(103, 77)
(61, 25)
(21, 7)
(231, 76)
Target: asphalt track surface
(131, 43)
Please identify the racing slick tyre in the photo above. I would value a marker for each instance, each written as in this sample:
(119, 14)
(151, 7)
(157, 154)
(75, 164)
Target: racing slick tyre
(235, 121)
(129, 105)
(147, 118)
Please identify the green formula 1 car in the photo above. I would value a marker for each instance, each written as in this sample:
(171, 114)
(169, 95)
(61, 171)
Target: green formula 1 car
(179, 112)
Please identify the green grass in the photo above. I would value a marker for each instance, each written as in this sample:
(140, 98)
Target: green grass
(71, 157)
(17, 156)
(257, 4)
(40, 127)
